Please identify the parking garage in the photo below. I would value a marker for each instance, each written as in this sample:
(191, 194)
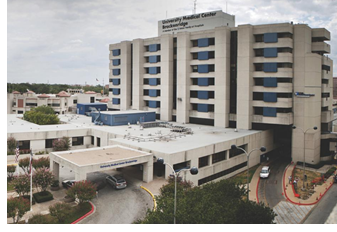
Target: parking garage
(82, 162)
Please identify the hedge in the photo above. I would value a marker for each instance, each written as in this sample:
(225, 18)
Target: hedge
(43, 196)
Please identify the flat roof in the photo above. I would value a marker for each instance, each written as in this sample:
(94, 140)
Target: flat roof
(125, 112)
(92, 156)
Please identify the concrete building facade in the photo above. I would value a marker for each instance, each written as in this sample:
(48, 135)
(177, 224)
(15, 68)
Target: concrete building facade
(260, 77)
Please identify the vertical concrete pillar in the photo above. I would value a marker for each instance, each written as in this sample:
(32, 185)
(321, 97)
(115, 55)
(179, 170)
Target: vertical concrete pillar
(148, 171)
(55, 168)
(183, 76)
(125, 76)
(166, 77)
(245, 77)
(138, 74)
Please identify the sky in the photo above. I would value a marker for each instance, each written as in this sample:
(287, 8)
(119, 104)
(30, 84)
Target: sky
(67, 41)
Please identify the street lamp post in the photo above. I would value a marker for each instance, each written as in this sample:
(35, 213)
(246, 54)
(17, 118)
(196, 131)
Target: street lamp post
(193, 171)
(263, 149)
(315, 128)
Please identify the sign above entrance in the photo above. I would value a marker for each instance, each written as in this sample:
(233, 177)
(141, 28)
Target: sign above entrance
(195, 22)
(117, 164)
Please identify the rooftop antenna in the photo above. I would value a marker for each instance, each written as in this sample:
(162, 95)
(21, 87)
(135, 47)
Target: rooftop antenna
(195, 7)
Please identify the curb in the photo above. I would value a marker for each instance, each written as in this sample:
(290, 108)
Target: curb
(154, 200)
(85, 215)
(298, 203)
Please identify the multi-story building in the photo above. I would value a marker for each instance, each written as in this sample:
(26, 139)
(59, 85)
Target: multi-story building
(260, 77)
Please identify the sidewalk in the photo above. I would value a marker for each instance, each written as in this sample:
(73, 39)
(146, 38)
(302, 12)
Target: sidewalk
(289, 193)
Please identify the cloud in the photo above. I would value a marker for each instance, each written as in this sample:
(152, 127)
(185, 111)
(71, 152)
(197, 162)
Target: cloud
(67, 41)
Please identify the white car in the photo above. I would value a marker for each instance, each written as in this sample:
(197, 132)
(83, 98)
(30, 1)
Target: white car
(265, 172)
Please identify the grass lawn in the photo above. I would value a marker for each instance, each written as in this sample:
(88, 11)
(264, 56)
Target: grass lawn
(241, 178)
(305, 193)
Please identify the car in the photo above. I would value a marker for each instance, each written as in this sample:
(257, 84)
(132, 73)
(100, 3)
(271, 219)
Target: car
(265, 172)
(68, 183)
(116, 181)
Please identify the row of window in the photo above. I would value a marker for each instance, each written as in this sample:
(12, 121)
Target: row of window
(270, 111)
(272, 37)
(151, 92)
(25, 144)
(271, 67)
(270, 81)
(270, 96)
(202, 94)
(271, 52)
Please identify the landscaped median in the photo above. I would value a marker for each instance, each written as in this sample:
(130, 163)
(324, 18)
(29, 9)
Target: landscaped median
(154, 200)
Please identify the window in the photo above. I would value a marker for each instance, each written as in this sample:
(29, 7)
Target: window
(49, 143)
(92, 99)
(203, 161)
(92, 140)
(77, 141)
(220, 156)
(98, 142)
(74, 101)
(236, 152)
(179, 166)
(31, 104)
(25, 144)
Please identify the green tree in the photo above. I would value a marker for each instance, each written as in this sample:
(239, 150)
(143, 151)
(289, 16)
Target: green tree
(40, 118)
(42, 219)
(60, 210)
(62, 144)
(43, 178)
(21, 184)
(43, 162)
(83, 190)
(11, 145)
(10, 172)
(24, 164)
(17, 207)
(221, 202)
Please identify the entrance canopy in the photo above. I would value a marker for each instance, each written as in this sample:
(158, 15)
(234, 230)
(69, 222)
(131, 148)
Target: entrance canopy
(101, 159)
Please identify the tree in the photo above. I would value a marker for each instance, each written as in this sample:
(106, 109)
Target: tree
(41, 115)
(43, 162)
(222, 202)
(62, 144)
(42, 219)
(60, 210)
(43, 178)
(24, 164)
(11, 145)
(83, 190)
(21, 184)
(17, 207)
(10, 172)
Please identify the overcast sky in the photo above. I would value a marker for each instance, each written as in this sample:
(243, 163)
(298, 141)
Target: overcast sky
(66, 41)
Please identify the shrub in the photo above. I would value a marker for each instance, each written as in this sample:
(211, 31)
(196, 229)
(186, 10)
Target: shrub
(42, 162)
(329, 172)
(16, 208)
(43, 178)
(10, 172)
(60, 211)
(24, 164)
(42, 219)
(41, 115)
(43, 196)
(55, 183)
(62, 144)
(11, 144)
(83, 190)
(21, 184)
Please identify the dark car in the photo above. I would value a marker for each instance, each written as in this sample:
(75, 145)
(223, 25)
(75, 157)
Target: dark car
(116, 181)
(68, 183)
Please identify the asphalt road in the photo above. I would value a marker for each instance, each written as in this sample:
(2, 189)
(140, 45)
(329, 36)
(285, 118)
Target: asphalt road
(270, 189)
(115, 206)
(324, 208)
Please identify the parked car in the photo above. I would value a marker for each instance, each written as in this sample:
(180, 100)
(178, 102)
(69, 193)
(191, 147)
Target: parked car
(116, 181)
(68, 183)
(265, 172)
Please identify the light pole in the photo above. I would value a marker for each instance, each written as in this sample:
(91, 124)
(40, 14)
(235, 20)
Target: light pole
(193, 171)
(315, 128)
(263, 149)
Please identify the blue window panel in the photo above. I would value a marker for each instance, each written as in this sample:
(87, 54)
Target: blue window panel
(116, 101)
(116, 81)
(203, 82)
(270, 82)
(116, 72)
(153, 47)
(153, 81)
(202, 94)
(203, 56)
(270, 37)
(270, 52)
(116, 52)
(116, 62)
(115, 91)
(202, 108)
(270, 67)
(270, 97)
(203, 42)
(153, 104)
(203, 68)
(153, 70)
(152, 92)
(269, 111)
(153, 59)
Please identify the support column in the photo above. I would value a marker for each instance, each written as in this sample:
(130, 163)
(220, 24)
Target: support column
(55, 169)
(138, 74)
(148, 171)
